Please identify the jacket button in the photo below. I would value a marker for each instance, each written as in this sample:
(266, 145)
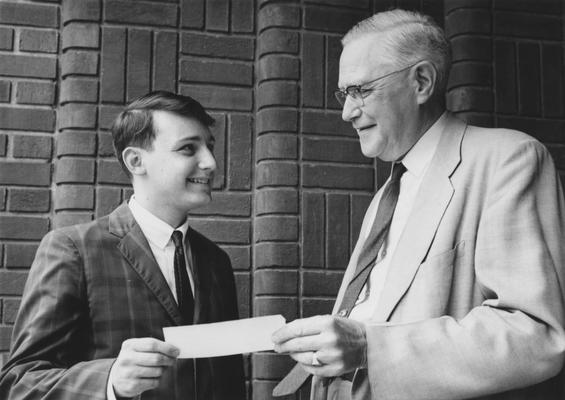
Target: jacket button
(342, 313)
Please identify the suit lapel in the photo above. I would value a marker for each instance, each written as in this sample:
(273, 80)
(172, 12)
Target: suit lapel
(135, 249)
(433, 197)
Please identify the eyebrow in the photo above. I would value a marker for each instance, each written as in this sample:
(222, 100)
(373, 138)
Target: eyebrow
(197, 138)
(343, 87)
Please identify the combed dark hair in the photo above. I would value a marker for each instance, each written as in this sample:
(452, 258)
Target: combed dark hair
(134, 125)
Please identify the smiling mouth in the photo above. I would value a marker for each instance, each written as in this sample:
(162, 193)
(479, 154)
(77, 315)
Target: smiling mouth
(363, 128)
(202, 181)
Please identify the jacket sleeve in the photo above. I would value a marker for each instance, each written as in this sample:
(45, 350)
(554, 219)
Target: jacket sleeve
(50, 343)
(515, 337)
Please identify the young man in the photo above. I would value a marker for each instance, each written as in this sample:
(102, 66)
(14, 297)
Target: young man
(455, 289)
(98, 294)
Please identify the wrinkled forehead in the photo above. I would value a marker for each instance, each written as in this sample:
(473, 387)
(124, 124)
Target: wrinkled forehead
(361, 59)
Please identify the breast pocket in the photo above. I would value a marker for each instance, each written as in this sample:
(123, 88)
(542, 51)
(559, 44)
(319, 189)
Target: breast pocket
(428, 295)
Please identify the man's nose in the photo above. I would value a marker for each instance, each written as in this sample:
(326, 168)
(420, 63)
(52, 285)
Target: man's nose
(351, 109)
(207, 160)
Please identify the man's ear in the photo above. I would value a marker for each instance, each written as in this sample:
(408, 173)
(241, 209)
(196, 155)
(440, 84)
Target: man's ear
(133, 160)
(426, 81)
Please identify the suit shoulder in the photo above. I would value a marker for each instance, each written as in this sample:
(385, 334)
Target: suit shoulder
(79, 232)
(500, 142)
(499, 135)
(499, 156)
(201, 241)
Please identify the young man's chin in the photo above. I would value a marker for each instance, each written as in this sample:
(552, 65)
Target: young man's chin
(198, 201)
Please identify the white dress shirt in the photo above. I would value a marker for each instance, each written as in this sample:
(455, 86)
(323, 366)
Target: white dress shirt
(158, 234)
(416, 162)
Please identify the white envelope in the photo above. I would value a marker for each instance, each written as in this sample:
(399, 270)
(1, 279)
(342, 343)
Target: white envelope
(224, 338)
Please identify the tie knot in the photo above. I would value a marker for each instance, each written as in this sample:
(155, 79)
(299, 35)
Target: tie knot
(177, 238)
(397, 170)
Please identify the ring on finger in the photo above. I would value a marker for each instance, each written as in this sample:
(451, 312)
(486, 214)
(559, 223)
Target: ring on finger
(315, 361)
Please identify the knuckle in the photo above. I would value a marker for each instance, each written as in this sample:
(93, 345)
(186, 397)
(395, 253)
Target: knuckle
(156, 371)
(323, 321)
(149, 344)
(154, 345)
(333, 337)
(127, 372)
(130, 386)
(324, 339)
(333, 325)
(123, 358)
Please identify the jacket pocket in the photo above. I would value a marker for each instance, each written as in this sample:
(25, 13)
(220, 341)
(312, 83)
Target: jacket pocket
(429, 292)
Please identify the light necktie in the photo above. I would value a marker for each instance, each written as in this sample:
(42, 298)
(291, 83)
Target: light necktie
(185, 298)
(365, 262)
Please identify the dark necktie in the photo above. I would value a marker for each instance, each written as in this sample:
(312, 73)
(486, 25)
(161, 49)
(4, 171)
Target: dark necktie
(298, 376)
(185, 299)
(374, 241)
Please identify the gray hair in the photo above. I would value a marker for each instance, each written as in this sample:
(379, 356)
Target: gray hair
(408, 37)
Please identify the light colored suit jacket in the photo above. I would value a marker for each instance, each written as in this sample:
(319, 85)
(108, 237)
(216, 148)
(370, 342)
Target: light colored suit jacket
(94, 285)
(473, 305)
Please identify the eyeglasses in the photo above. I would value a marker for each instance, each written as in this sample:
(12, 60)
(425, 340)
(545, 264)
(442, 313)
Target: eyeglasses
(359, 92)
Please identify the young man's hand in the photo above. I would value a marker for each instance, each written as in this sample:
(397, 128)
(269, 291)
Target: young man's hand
(140, 364)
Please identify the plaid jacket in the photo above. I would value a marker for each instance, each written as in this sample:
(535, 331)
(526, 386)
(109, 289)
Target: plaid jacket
(94, 285)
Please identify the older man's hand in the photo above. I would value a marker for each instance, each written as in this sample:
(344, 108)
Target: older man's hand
(325, 345)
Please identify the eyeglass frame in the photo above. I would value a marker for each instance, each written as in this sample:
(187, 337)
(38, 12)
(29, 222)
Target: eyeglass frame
(360, 91)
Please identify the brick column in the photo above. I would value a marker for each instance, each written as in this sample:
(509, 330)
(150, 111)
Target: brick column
(77, 118)
(468, 26)
(302, 234)
(275, 226)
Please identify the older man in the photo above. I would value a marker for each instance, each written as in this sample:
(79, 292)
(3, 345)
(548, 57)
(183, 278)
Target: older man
(455, 289)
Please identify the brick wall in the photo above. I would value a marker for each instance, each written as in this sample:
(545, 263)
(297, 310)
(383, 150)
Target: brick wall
(292, 185)
(29, 46)
(508, 68)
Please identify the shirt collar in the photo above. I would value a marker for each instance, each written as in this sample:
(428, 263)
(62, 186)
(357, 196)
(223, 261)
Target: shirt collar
(420, 155)
(155, 229)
